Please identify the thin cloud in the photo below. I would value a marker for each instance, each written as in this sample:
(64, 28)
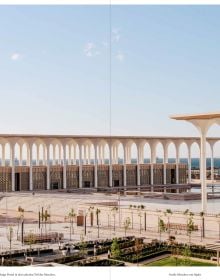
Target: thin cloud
(116, 35)
(90, 50)
(16, 56)
(105, 44)
(120, 56)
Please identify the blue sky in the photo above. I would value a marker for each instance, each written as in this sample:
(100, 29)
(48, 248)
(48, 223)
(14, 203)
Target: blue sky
(55, 68)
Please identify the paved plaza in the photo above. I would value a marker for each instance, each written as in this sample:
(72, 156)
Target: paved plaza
(143, 220)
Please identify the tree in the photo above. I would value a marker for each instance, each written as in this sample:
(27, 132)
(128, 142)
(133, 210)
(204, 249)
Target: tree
(20, 218)
(114, 211)
(70, 217)
(138, 248)
(186, 253)
(115, 249)
(140, 208)
(161, 226)
(127, 223)
(83, 246)
(97, 218)
(190, 226)
(10, 235)
(168, 213)
(45, 217)
(31, 238)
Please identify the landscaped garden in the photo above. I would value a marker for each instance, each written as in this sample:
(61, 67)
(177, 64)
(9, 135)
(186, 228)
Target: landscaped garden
(172, 261)
(116, 252)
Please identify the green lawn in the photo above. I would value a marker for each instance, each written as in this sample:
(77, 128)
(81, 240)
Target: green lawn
(171, 261)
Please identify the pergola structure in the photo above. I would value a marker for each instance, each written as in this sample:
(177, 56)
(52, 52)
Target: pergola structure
(214, 247)
(202, 122)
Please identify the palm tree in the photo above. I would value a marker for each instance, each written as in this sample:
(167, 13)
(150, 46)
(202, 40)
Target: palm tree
(45, 217)
(127, 223)
(114, 210)
(168, 213)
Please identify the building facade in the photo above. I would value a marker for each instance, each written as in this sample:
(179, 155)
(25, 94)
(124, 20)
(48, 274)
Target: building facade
(46, 162)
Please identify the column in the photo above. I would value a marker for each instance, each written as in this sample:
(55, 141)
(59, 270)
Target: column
(3, 154)
(203, 171)
(189, 165)
(31, 168)
(177, 165)
(153, 160)
(100, 155)
(69, 157)
(165, 160)
(48, 167)
(54, 154)
(110, 165)
(44, 155)
(74, 154)
(138, 165)
(12, 154)
(64, 166)
(129, 154)
(95, 167)
(124, 167)
(20, 161)
(59, 160)
(80, 166)
(84, 159)
(212, 162)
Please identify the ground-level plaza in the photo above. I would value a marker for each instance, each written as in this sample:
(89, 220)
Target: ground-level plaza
(114, 210)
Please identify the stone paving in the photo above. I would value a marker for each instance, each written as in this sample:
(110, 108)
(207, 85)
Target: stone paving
(111, 222)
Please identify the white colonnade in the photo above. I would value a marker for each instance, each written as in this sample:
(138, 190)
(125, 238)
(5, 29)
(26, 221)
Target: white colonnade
(95, 150)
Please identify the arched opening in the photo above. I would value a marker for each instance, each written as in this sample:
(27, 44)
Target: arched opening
(216, 156)
(120, 153)
(195, 161)
(183, 153)
(41, 154)
(146, 153)
(34, 153)
(24, 154)
(16, 154)
(159, 153)
(171, 153)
